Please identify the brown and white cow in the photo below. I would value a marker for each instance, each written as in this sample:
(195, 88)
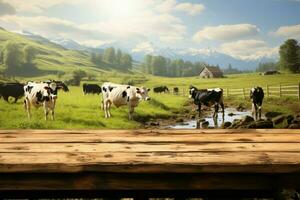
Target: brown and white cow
(121, 95)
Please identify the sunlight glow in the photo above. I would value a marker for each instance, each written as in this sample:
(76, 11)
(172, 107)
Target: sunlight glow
(121, 8)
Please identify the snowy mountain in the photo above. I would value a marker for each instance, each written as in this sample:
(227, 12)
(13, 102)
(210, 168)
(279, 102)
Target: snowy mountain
(68, 44)
(207, 55)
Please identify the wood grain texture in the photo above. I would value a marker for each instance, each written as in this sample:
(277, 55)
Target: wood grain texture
(149, 159)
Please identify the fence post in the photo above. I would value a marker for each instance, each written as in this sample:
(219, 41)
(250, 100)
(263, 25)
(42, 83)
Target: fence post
(244, 93)
(299, 91)
(227, 91)
(280, 90)
(267, 88)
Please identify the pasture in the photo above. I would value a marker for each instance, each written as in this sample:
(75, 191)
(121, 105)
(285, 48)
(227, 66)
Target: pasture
(73, 110)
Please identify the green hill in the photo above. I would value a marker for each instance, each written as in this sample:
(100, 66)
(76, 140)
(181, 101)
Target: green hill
(51, 59)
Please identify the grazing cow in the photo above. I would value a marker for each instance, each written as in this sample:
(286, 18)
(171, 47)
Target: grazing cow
(120, 95)
(14, 90)
(91, 89)
(161, 89)
(41, 94)
(176, 90)
(208, 97)
(257, 96)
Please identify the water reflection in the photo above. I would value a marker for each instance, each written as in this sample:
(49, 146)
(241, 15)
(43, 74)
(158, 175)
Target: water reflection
(213, 122)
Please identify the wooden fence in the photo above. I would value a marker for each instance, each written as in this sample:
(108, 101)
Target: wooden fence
(269, 90)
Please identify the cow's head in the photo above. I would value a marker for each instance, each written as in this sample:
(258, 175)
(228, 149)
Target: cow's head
(192, 91)
(62, 86)
(142, 93)
(50, 91)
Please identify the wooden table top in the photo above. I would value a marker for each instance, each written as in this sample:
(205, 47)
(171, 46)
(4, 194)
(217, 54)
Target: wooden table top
(150, 151)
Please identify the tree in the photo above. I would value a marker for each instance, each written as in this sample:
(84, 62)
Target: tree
(263, 67)
(29, 54)
(126, 61)
(118, 57)
(77, 76)
(289, 56)
(12, 57)
(109, 55)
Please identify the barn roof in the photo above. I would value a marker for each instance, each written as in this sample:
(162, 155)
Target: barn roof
(216, 71)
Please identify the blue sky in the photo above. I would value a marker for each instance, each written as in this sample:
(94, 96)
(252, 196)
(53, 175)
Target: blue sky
(243, 29)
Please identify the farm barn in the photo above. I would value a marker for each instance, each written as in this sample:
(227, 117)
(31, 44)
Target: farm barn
(211, 72)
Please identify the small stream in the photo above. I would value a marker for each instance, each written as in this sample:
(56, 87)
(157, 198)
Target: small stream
(192, 124)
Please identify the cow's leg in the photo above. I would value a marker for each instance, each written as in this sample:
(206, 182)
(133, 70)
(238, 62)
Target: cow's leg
(259, 112)
(27, 107)
(108, 108)
(216, 111)
(254, 110)
(199, 110)
(46, 111)
(131, 110)
(223, 111)
(105, 108)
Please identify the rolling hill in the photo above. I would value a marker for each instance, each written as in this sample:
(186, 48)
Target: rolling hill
(51, 58)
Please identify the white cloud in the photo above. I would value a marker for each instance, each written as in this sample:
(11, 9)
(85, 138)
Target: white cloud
(51, 28)
(165, 6)
(6, 9)
(226, 32)
(249, 49)
(191, 9)
(144, 47)
(288, 31)
(38, 6)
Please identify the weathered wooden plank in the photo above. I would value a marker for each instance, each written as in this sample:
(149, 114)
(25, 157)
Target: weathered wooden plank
(148, 137)
(156, 162)
(167, 181)
(152, 131)
(147, 147)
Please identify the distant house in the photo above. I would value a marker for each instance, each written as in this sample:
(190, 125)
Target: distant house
(211, 72)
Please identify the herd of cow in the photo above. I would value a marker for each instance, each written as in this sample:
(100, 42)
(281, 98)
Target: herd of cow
(44, 94)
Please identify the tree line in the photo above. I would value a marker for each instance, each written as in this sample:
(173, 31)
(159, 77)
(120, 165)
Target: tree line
(113, 59)
(161, 66)
(289, 58)
(17, 59)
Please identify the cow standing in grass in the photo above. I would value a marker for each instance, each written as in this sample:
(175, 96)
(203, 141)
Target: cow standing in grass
(257, 96)
(41, 94)
(14, 90)
(120, 95)
(161, 89)
(208, 97)
(91, 89)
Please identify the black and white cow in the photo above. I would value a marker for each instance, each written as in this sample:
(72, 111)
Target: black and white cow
(208, 97)
(120, 95)
(257, 96)
(91, 89)
(41, 94)
(14, 90)
(161, 89)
